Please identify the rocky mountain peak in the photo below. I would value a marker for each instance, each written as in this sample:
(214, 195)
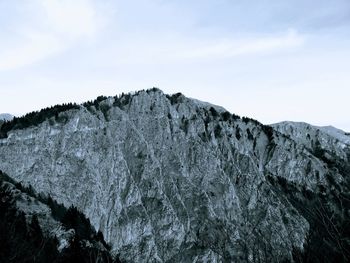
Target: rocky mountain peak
(167, 178)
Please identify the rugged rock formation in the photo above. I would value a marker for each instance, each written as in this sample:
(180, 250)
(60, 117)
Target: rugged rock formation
(333, 141)
(172, 179)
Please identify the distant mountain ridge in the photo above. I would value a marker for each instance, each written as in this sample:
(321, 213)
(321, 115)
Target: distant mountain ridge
(166, 178)
(6, 116)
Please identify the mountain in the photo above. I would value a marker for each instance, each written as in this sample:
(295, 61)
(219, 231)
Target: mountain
(172, 179)
(6, 117)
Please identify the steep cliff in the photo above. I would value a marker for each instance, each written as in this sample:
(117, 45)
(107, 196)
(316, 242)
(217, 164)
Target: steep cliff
(172, 179)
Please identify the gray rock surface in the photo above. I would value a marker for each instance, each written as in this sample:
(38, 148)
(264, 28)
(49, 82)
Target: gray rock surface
(171, 179)
(328, 138)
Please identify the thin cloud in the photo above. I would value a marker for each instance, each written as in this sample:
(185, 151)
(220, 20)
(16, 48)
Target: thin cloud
(62, 24)
(71, 18)
(241, 47)
(183, 49)
(37, 47)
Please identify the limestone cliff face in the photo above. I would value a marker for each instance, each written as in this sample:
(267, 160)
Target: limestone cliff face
(171, 179)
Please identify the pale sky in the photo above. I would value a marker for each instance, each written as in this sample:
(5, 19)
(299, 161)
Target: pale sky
(271, 60)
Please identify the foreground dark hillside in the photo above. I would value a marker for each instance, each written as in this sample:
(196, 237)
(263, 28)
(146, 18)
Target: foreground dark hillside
(23, 240)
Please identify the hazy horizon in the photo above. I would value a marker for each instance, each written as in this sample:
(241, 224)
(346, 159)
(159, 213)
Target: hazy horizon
(269, 60)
